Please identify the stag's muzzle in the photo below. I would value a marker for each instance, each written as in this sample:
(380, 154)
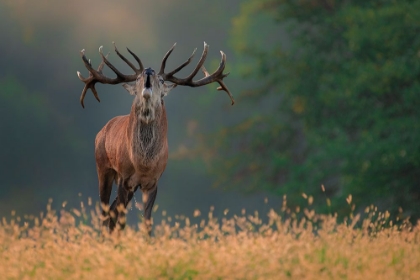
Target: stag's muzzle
(147, 93)
(147, 90)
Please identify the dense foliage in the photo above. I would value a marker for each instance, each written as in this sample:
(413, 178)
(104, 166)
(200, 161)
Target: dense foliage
(336, 103)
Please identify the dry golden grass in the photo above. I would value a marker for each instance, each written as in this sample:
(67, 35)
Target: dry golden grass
(63, 246)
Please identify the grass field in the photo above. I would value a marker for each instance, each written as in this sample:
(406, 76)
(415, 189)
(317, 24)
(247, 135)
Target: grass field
(71, 245)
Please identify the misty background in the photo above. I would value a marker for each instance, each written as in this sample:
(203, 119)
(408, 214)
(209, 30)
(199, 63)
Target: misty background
(47, 138)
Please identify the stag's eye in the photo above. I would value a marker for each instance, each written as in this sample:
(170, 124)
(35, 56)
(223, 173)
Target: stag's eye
(161, 81)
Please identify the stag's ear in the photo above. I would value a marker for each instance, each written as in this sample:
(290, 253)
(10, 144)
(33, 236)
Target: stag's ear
(167, 88)
(130, 88)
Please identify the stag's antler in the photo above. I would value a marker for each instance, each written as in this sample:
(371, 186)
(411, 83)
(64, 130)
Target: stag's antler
(97, 75)
(217, 76)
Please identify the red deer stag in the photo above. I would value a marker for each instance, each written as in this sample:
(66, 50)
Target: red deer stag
(132, 150)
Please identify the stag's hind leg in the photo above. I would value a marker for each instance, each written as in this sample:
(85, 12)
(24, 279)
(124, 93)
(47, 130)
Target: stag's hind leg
(106, 179)
(119, 206)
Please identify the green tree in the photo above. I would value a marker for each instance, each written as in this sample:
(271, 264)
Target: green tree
(336, 102)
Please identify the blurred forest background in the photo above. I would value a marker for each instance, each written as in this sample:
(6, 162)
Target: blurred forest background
(327, 93)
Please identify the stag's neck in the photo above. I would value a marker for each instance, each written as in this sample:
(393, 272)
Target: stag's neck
(147, 139)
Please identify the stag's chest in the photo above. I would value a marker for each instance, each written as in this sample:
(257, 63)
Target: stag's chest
(149, 147)
(149, 164)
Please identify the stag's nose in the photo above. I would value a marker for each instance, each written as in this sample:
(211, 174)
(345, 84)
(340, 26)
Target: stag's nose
(148, 72)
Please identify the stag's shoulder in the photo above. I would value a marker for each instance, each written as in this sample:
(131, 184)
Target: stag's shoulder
(111, 127)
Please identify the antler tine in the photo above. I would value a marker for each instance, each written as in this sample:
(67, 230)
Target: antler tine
(82, 96)
(217, 76)
(88, 81)
(224, 88)
(97, 75)
(199, 64)
(137, 71)
(95, 93)
(87, 63)
(112, 67)
(141, 68)
(102, 64)
(176, 70)
(221, 83)
(163, 65)
(84, 91)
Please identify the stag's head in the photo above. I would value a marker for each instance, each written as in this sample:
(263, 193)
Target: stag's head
(149, 90)
(150, 87)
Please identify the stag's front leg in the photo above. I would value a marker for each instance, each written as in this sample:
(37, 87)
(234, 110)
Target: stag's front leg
(106, 180)
(149, 197)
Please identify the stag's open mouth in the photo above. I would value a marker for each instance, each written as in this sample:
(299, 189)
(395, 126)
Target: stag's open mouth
(146, 113)
(147, 84)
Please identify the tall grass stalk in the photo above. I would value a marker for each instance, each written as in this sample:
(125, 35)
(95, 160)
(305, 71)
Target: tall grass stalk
(72, 245)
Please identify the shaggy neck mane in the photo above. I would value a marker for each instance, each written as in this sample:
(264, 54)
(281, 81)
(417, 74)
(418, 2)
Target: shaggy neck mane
(146, 138)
